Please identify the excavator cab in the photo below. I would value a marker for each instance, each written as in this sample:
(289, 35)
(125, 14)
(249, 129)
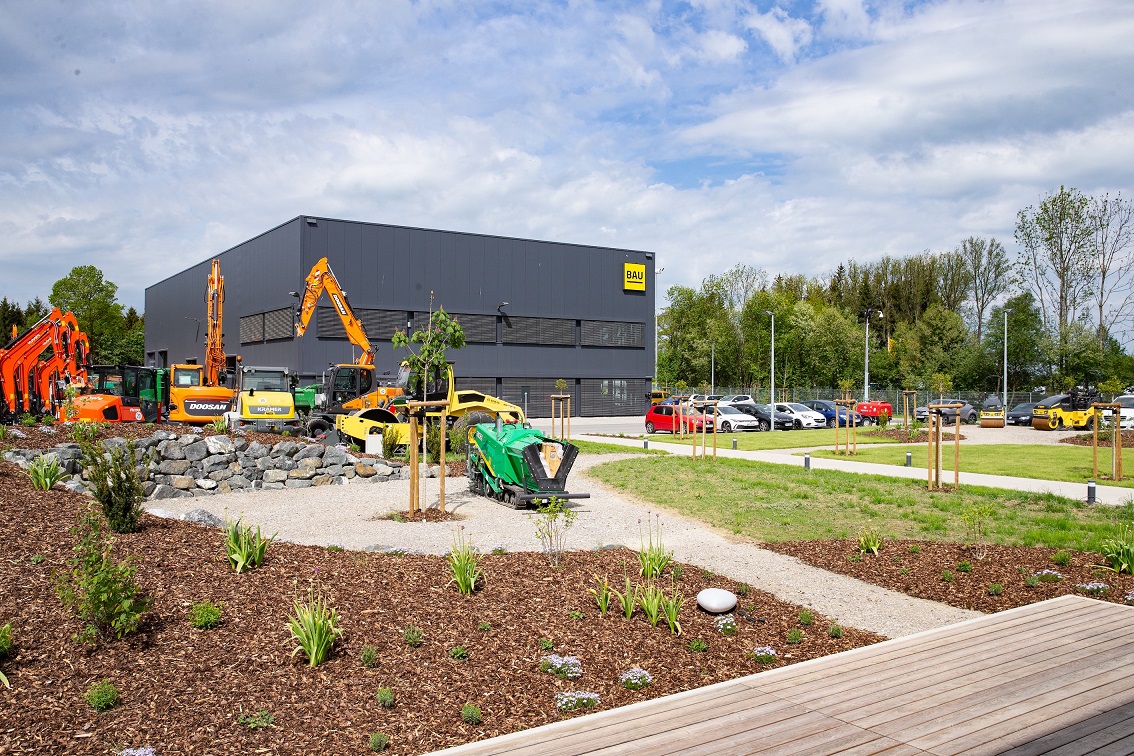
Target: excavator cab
(347, 383)
(120, 393)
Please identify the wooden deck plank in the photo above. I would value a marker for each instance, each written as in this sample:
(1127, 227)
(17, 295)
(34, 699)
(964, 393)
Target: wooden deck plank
(780, 736)
(881, 747)
(878, 688)
(1082, 736)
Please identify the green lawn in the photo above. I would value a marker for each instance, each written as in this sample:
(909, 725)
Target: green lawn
(1043, 462)
(770, 502)
(596, 447)
(795, 439)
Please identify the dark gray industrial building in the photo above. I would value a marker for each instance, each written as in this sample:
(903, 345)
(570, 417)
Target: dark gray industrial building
(581, 313)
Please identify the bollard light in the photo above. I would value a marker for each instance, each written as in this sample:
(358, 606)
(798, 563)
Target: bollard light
(1090, 492)
(807, 460)
(909, 459)
(645, 443)
(734, 444)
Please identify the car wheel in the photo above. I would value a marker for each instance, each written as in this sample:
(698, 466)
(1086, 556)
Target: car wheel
(797, 425)
(650, 428)
(832, 422)
(726, 426)
(761, 425)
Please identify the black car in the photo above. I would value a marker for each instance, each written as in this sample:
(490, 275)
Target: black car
(1021, 414)
(761, 413)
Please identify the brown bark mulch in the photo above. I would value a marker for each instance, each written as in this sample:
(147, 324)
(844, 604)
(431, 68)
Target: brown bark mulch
(184, 690)
(916, 568)
(1105, 439)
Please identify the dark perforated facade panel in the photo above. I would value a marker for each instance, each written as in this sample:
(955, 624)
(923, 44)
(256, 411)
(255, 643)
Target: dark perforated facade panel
(516, 330)
(483, 385)
(478, 329)
(379, 324)
(278, 324)
(539, 391)
(612, 398)
(602, 333)
(252, 328)
(556, 331)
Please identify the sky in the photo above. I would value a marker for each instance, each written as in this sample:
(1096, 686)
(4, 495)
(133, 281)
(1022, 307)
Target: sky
(145, 136)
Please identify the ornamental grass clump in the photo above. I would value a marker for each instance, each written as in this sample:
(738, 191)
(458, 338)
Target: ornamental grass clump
(635, 679)
(870, 541)
(1119, 552)
(574, 700)
(315, 625)
(671, 607)
(763, 655)
(650, 598)
(45, 472)
(5, 648)
(246, 549)
(602, 594)
(464, 564)
(652, 555)
(101, 591)
(115, 482)
(627, 600)
(413, 636)
(563, 667)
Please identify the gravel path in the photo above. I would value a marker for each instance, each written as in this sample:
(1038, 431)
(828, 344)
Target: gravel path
(355, 517)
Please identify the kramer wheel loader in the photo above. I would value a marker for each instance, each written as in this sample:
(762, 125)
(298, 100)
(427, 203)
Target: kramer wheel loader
(517, 466)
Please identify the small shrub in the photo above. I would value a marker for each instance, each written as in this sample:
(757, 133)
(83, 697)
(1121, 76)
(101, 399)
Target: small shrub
(464, 564)
(258, 721)
(835, 631)
(707, 575)
(1031, 581)
(102, 696)
(27, 419)
(726, 624)
(45, 472)
(563, 667)
(806, 617)
(1061, 558)
(460, 653)
(6, 643)
(97, 588)
(315, 625)
(676, 571)
(246, 549)
(576, 615)
(635, 679)
(470, 713)
(698, 645)
(378, 741)
(574, 700)
(334, 549)
(742, 589)
(995, 589)
(553, 520)
(484, 627)
(965, 566)
(385, 698)
(389, 446)
(1048, 576)
(1093, 588)
(652, 555)
(947, 576)
(1119, 551)
(115, 483)
(915, 549)
(602, 594)
(763, 655)
(498, 550)
(205, 615)
(795, 636)
(870, 541)
(369, 657)
(413, 636)
(854, 557)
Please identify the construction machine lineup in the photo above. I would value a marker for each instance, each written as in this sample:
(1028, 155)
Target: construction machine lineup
(45, 372)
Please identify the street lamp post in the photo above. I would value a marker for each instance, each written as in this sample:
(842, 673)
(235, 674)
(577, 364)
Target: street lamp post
(712, 367)
(657, 340)
(1006, 311)
(866, 372)
(772, 377)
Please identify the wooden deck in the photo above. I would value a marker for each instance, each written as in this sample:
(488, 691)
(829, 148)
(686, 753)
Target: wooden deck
(1054, 677)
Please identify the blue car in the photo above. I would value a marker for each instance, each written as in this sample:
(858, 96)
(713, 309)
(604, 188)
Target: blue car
(830, 410)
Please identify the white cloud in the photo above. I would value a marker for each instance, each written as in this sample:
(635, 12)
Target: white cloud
(783, 33)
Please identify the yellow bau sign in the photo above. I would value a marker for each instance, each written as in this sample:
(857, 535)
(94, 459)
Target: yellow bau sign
(633, 277)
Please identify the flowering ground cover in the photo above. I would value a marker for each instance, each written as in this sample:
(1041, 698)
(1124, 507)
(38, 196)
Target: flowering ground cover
(233, 685)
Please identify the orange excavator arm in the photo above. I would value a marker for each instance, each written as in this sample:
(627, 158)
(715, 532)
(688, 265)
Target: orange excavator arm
(214, 340)
(321, 278)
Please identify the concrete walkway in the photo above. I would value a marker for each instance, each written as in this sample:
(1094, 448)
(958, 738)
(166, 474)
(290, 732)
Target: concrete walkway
(1111, 495)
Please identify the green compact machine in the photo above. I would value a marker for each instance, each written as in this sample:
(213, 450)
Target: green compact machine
(518, 466)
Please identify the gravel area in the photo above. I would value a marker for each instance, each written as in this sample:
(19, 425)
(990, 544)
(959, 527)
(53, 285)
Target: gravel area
(356, 517)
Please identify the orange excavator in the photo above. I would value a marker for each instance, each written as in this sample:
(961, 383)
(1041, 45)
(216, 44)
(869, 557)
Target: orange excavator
(197, 393)
(349, 388)
(37, 366)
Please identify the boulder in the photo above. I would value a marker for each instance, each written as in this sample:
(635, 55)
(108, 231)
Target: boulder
(364, 470)
(333, 455)
(165, 514)
(239, 444)
(332, 470)
(286, 463)
(348, 471)
(309, 463)
(309, 451)
(182, 482)
(163, 491)
(148, 488)
(206, 484)
(285, 449)
(188, 438)
(266, 463)
(162, 435)
(196, 451)
(274, 476)
(174, 467)
(235, 482)
(322, 480)
(171, 449)
(202, 517)
(301, 474)
(256, 450)
(716, 600)
(274, 486)
(219, 445)
(296, 483)
(219, 475)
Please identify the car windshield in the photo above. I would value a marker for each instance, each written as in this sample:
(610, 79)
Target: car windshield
(800, 407)
(726, 410)
(1025, 407)
(261, 381)
(1127, 402)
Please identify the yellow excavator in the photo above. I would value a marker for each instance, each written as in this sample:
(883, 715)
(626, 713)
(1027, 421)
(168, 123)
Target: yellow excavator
(197, 393)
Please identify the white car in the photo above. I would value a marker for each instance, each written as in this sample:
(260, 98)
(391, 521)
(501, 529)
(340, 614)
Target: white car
(802, 416)
(1127, 411)
(736, 399)
(731, 419)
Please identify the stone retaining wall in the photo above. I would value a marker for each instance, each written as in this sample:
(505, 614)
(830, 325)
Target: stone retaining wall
(179, 466)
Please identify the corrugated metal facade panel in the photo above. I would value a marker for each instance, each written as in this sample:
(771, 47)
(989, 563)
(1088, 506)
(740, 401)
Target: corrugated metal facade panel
(559, 331)
(520, 331)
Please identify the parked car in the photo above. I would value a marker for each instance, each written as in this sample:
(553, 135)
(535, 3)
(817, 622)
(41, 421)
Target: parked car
(1021, 414)
(763, 416)
(1127, 411)
(871, 410)
(830, 411)
(802, 416)
(657, 397)
(968, 412)
(731, 419)
(665, 417)
(737, 399)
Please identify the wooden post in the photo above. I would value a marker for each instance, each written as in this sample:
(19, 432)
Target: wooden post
(568, 417)
(443, 465)
(1095, 447)
(937, 444)
(957, 452)
(1116, 439)
(929, 446)
(415, 440)
(413, 502)
(716, 422)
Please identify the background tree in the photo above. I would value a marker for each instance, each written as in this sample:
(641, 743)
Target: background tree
(989, 273)
(1112, 260)
(94, 301)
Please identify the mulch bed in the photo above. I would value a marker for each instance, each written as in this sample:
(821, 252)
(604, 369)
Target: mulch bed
(1087, 439)
(900, 434)
(183, 690)
(899, 568)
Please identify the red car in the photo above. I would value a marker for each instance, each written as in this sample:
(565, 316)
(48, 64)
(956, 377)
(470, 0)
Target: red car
(666, 417)
(871, 410)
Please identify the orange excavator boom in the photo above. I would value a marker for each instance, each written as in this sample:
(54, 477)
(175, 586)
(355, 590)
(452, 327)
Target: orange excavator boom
(214, 341)
(321, 277)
